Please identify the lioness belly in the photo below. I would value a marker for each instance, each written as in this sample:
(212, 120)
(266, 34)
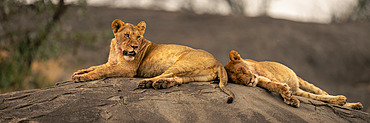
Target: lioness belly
(160, 58)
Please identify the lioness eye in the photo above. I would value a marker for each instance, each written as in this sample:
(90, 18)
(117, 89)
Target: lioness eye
(127, 35)
(138, 37)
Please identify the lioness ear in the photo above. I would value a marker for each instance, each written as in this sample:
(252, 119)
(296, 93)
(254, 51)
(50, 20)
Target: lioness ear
(141, 26)
(116, 25)
(234, 55)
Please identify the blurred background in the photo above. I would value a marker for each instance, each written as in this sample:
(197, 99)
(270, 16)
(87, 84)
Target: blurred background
(326, 42)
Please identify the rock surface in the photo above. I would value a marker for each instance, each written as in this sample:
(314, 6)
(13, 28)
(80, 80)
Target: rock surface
(118, 100)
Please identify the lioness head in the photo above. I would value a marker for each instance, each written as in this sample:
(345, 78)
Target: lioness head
(128, 38)
(237, 70)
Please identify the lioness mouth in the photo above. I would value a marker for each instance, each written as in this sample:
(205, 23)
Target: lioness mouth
(132, 53)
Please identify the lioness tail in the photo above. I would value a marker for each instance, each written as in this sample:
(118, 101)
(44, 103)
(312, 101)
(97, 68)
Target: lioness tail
(222, 75)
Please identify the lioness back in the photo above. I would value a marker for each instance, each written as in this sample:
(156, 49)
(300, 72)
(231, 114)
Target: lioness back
(163, 56)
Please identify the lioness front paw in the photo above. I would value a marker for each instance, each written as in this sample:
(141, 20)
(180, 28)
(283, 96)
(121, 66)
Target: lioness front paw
(250, 84)
(294, 102)
(80, 72)
(80, 78)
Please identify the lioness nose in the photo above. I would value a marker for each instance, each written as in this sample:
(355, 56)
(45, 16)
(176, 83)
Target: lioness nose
(134, 47)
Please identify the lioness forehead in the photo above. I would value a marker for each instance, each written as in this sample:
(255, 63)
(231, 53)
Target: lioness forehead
(129, 28)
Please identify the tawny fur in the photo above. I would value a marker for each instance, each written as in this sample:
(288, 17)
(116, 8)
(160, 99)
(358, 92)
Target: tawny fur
(131, 55)
(278, 78)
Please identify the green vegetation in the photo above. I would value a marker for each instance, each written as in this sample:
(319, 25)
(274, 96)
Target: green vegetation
(24, 38)
(362, 11)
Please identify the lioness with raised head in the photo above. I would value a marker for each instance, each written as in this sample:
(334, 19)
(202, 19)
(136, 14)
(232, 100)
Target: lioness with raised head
(131, 55)
(278, 78)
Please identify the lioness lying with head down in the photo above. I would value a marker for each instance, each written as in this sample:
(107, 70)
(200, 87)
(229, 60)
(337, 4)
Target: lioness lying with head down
(278, 78)
(131, 55)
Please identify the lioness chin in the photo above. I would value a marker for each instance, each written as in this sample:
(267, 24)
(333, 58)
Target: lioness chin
(168, 64)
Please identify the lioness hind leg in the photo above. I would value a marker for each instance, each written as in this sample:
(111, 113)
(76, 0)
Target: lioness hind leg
(306, 86)
(162, 83)
(148, 83)
(339, 100)
(169, 82)
(177, 74)
(184, 71)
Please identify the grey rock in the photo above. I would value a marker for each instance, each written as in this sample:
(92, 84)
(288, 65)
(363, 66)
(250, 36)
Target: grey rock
(118, 100)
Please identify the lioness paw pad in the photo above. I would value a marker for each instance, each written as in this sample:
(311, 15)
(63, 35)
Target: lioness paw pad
(79, 78)
(144, 84)
(357, 106)
(163, 83)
